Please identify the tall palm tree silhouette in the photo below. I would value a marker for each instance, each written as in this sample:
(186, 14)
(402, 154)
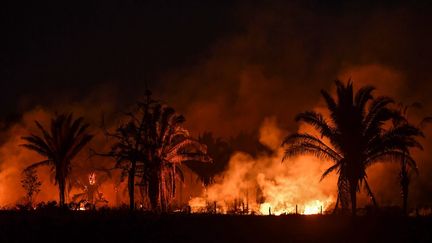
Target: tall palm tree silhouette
(353, 137)
(151, 145)
(404, 174)
(169, 146)
(59, 145)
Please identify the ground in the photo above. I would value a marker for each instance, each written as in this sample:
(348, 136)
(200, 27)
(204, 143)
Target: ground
(122, 226)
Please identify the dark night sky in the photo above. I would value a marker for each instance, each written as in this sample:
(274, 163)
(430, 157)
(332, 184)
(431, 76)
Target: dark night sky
(65, 50)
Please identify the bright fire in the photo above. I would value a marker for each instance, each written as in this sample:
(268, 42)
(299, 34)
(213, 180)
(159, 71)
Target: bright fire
(314, 207)
(264, 185)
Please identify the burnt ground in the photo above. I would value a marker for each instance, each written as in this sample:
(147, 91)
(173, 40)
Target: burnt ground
(122, 226)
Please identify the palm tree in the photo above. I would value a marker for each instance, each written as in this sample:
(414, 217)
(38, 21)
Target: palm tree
(404, 175)
(151, 145)
(169, 145)
(59, 145)
(353, 137)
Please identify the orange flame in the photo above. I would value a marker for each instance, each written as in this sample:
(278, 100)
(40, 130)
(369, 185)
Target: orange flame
(264, 185)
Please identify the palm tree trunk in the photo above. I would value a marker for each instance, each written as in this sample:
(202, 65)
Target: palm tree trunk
(131, 185)
(154, 192)
(353, 194)
(404, 186)
(62, 186)
(405, 199)
(173, 181)
(163, 192)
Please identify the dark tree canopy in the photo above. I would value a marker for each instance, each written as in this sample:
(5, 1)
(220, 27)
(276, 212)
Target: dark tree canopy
(151, 144)
(59, 145)
(219, 150)
(354, 137)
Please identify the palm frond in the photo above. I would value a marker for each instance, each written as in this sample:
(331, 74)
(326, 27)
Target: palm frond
(392, 156)
(376, 108)
(425, 121)
(37, 164)
(309, 149)
(37, 149)
(363, 95)
(331, 103)
(300, 138)
(370, 193)
(318, 121)
(330, 170)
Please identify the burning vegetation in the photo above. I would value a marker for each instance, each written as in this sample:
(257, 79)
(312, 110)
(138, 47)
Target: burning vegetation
(145, 159)
(262, 184)
(244, 136)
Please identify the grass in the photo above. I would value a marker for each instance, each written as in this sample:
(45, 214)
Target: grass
(122, 226)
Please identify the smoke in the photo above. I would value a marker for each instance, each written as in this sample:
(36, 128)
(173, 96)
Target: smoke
(266, 184)
(15, 158)
(286, 54)
(273, 65)
(296, 182)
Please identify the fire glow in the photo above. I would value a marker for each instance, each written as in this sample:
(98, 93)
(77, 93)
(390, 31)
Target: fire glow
(263, 185)
(252, 185)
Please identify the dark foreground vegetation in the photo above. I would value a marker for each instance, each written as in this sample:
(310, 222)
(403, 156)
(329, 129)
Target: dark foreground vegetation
(123, 226)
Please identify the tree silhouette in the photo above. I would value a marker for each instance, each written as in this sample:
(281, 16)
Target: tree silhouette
(31, 185)
(59, 145)
(404, 174)
(169, 146)
(151, 145)
(354, 137)
(219, 150)
(131, 143)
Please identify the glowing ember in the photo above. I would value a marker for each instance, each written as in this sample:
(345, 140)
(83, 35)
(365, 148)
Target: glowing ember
(198, 204)
(92, 178)
(315, 207)
(309, 208)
